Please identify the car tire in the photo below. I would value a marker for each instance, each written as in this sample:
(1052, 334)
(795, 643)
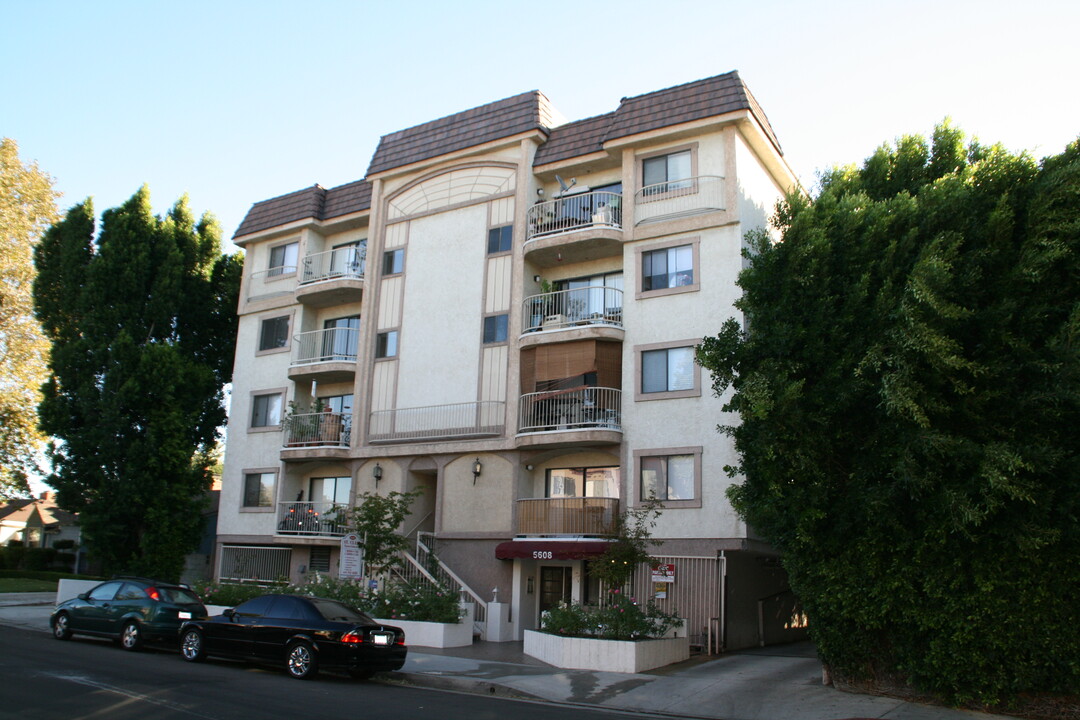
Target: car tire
(191, 646)
(61, 626)
(301, 661)
(131, 636)
(360, 674)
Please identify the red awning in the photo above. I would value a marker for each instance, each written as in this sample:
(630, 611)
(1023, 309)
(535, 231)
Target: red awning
(550, 549)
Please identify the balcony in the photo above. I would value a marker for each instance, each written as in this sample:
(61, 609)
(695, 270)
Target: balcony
(589, 306)
(679, 198)
(438, 422)
(574, 416)
(325, 355)
(323, 429)
(334, 277)
(575, 228)
(574, 516)
(311, 519)
(267, 284)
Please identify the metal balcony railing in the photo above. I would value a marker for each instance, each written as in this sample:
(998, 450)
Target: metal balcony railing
(439, 422)
(322, 429)
(573, 212)
(677, 198)
(580, 408)
(274, 281)
(587, 516)
(311, 518)
(594, 305)
(330, 345)
(343, 262)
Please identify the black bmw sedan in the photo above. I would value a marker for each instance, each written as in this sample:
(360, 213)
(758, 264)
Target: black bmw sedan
(303, 634)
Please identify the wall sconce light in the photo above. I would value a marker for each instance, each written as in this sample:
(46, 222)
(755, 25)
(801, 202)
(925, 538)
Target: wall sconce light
(377, 474)
(476, 468)
(529, 586)
(529, 468)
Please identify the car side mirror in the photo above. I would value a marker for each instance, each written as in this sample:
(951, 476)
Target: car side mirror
(84, 596)
(229, 613)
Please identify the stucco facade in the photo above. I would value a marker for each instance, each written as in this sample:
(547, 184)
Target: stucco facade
(506, 291)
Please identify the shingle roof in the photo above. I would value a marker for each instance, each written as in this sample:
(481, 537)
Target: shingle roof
(494, 121)
(574, 139)
(504, 118)
(313, 202)
(663, 108)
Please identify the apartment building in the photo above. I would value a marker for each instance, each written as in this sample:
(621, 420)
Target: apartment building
(502, 314)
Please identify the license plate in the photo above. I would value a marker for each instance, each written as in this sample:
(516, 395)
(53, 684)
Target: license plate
(380, 639)
(184, 615)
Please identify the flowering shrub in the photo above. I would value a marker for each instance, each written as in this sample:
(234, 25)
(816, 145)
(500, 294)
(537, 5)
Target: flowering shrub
(416, 601)
(621, 618)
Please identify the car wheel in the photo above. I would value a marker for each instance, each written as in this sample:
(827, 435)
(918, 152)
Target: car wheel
(131, 636)
(360, 674)
(301, 661)
(61, 627)
(191, 646)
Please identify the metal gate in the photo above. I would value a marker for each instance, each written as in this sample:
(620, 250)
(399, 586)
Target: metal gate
(697, 594)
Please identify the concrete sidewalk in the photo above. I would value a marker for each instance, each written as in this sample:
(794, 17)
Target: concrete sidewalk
(777, 683)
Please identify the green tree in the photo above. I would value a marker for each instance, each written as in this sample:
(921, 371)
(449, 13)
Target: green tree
(908, 382)
(142, 322)
(27, 208)
(377, 519)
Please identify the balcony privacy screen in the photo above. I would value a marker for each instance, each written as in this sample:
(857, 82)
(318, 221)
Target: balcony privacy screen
(545, 363)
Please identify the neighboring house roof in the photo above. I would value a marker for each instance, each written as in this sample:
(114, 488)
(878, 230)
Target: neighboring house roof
(22, 511)
(505, 118)
(494, 121)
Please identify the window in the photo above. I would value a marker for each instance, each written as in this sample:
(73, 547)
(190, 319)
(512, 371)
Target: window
(319, 560)
(583, 482)
(259, 489)
(665, 173)
(668, 370)
(668, 477)
(283, 259)
(593, 297)
(341, 339)
(496, 328)
(386, 344)
(500, 239)
(333, 490)
(274, 333)
(667, 268)
(266, 410)
(393, 262)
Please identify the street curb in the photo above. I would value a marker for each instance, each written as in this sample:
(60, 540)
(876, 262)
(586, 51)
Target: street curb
(459, 684)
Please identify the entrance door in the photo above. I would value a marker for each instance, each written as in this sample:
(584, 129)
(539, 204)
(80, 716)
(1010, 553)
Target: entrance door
(555, 586)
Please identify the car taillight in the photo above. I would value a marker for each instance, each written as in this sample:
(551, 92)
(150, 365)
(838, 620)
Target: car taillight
(352, 637)
(152, 593)
(400, 639)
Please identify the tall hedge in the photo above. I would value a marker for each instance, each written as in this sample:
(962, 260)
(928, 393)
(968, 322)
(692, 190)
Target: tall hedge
(908, 377)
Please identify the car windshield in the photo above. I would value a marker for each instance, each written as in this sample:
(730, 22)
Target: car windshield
(179, 595)
(335, 611)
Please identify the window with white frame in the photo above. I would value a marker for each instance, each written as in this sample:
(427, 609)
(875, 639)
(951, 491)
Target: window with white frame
(283, 259)
(266, 410)
(274, 333)
(259, 489)
(670, 475)
(666, 173)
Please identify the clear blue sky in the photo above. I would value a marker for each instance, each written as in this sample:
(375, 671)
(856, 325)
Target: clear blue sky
(236, 102)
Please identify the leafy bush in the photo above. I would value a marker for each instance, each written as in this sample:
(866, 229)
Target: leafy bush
(621, 618)
(415, 601)
(231, 594)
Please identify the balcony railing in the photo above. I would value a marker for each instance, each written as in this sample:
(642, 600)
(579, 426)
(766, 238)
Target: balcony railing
(581, 408)
(330, 345)
(573, 212)
(439, 422)
(311, 518)
(274, 281)
(585, 516)
(343, 262)
(323, 429)
(594, 305)
(677, 198)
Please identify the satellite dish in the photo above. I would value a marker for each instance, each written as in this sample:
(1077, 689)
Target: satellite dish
(563, 185)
